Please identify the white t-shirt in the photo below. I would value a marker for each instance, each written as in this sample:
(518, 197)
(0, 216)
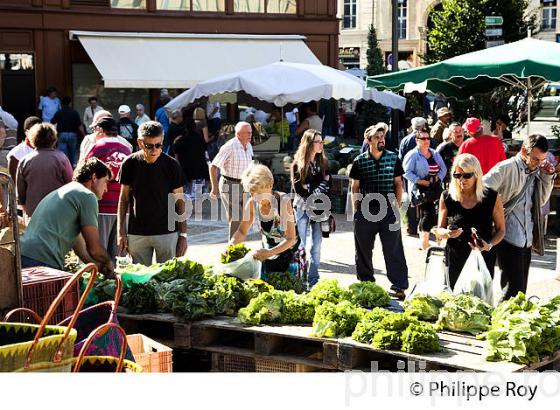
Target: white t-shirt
(291, 116)
(20, 151)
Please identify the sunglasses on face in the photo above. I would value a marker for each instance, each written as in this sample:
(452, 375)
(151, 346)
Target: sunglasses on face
(465, 175)
(150, 147)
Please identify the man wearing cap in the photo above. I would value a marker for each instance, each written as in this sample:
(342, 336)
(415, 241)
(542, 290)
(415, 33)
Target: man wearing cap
(234, 157)
(112, 150)
(449, 149)
(444, 117)
(488, 149)
(127, 128)
(102, 124)
(376, 183)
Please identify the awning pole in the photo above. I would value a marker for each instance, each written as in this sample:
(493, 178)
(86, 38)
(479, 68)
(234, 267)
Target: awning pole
(529, 97)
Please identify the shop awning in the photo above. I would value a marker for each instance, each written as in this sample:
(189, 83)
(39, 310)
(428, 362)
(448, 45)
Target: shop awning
(164, 60)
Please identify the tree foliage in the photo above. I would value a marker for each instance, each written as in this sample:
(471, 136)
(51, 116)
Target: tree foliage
(371, 111)
(458, 25)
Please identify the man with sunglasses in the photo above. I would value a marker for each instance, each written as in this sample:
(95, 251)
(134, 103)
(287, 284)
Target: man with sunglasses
(524, 183)
(376, 183)
(148, 178)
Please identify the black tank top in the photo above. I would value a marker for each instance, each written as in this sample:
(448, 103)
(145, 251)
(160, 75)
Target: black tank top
(479, 217)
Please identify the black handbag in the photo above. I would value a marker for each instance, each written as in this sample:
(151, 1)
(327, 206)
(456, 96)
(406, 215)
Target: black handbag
(431, 193)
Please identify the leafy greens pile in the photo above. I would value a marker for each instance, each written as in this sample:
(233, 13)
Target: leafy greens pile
(285, 281)
(336, 320)
(276, 306)
(234, 253)
(396, 331)
(522, 331)
(424, 307)
(464, 313)
(368, 294)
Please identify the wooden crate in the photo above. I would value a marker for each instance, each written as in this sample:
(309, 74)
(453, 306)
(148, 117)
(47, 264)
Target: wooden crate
(154, 357)
(266, 365)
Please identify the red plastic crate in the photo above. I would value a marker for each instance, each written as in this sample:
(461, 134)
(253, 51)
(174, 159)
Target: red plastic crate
(41, 285)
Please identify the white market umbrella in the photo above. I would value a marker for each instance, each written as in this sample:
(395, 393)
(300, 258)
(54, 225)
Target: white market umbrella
(284, 83)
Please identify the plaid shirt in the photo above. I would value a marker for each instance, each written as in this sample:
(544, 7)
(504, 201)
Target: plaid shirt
(233, 158)
(376, 176)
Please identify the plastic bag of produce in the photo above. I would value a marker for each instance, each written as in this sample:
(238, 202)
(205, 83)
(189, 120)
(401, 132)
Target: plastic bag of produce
(245, 268)
(475, 278)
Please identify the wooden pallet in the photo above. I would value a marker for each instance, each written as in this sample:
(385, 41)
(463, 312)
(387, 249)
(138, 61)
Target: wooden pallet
(290, 344)
(459, 352)
(162, 327)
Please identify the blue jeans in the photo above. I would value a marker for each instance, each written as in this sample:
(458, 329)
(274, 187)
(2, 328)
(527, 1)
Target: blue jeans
(303, 222)
(68, 143)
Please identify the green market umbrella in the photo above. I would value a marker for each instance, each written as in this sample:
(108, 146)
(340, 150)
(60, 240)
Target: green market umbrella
(525, 64)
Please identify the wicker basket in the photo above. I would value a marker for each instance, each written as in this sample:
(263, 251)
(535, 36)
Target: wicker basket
(154, 357)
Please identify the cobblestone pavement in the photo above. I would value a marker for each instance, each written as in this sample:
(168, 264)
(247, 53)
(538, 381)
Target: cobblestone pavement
(208, 239)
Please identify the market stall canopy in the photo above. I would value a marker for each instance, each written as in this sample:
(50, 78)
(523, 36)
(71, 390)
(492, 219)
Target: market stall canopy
(284, 83)
(167, 60)
(526, 64)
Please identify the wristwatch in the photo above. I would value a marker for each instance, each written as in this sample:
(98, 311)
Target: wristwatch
(183, 235)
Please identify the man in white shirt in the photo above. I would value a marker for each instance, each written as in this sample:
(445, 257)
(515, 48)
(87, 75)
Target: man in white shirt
(141, 116)
(8, 119)
(23, 148)
(234, 157)
(90, 112)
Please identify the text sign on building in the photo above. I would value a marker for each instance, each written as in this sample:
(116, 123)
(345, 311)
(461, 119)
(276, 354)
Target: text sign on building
(493, 32)
(349, 52)
(494, 43)
(494, 20)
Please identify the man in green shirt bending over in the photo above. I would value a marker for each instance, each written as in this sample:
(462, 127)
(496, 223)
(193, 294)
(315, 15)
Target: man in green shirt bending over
(63, 215)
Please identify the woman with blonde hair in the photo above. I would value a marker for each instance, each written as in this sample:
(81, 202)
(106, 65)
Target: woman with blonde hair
(466, 205)
(282, 250)
(310, 179)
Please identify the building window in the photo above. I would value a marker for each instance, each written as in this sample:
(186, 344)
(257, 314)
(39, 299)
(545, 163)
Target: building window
(208, 5)
(265, 6)
(16, 62)
(128, 4)
(180, 5)
(548, 15)
(349, 16)
(402, 18)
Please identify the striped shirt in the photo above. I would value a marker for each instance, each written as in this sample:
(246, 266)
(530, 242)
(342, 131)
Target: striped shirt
(433, 167)
(233, 158)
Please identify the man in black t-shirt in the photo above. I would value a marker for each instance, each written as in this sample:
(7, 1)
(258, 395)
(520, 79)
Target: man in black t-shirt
(376, 175)
(148, 179)
(128, 129)
(69, 129)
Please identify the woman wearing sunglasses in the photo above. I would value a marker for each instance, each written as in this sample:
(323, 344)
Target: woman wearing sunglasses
(466, 205)
(310, 178)
(425, 170)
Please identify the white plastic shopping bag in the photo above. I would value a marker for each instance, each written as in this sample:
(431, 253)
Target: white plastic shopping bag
(436, 278)
(475, 278)
(245, 268)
